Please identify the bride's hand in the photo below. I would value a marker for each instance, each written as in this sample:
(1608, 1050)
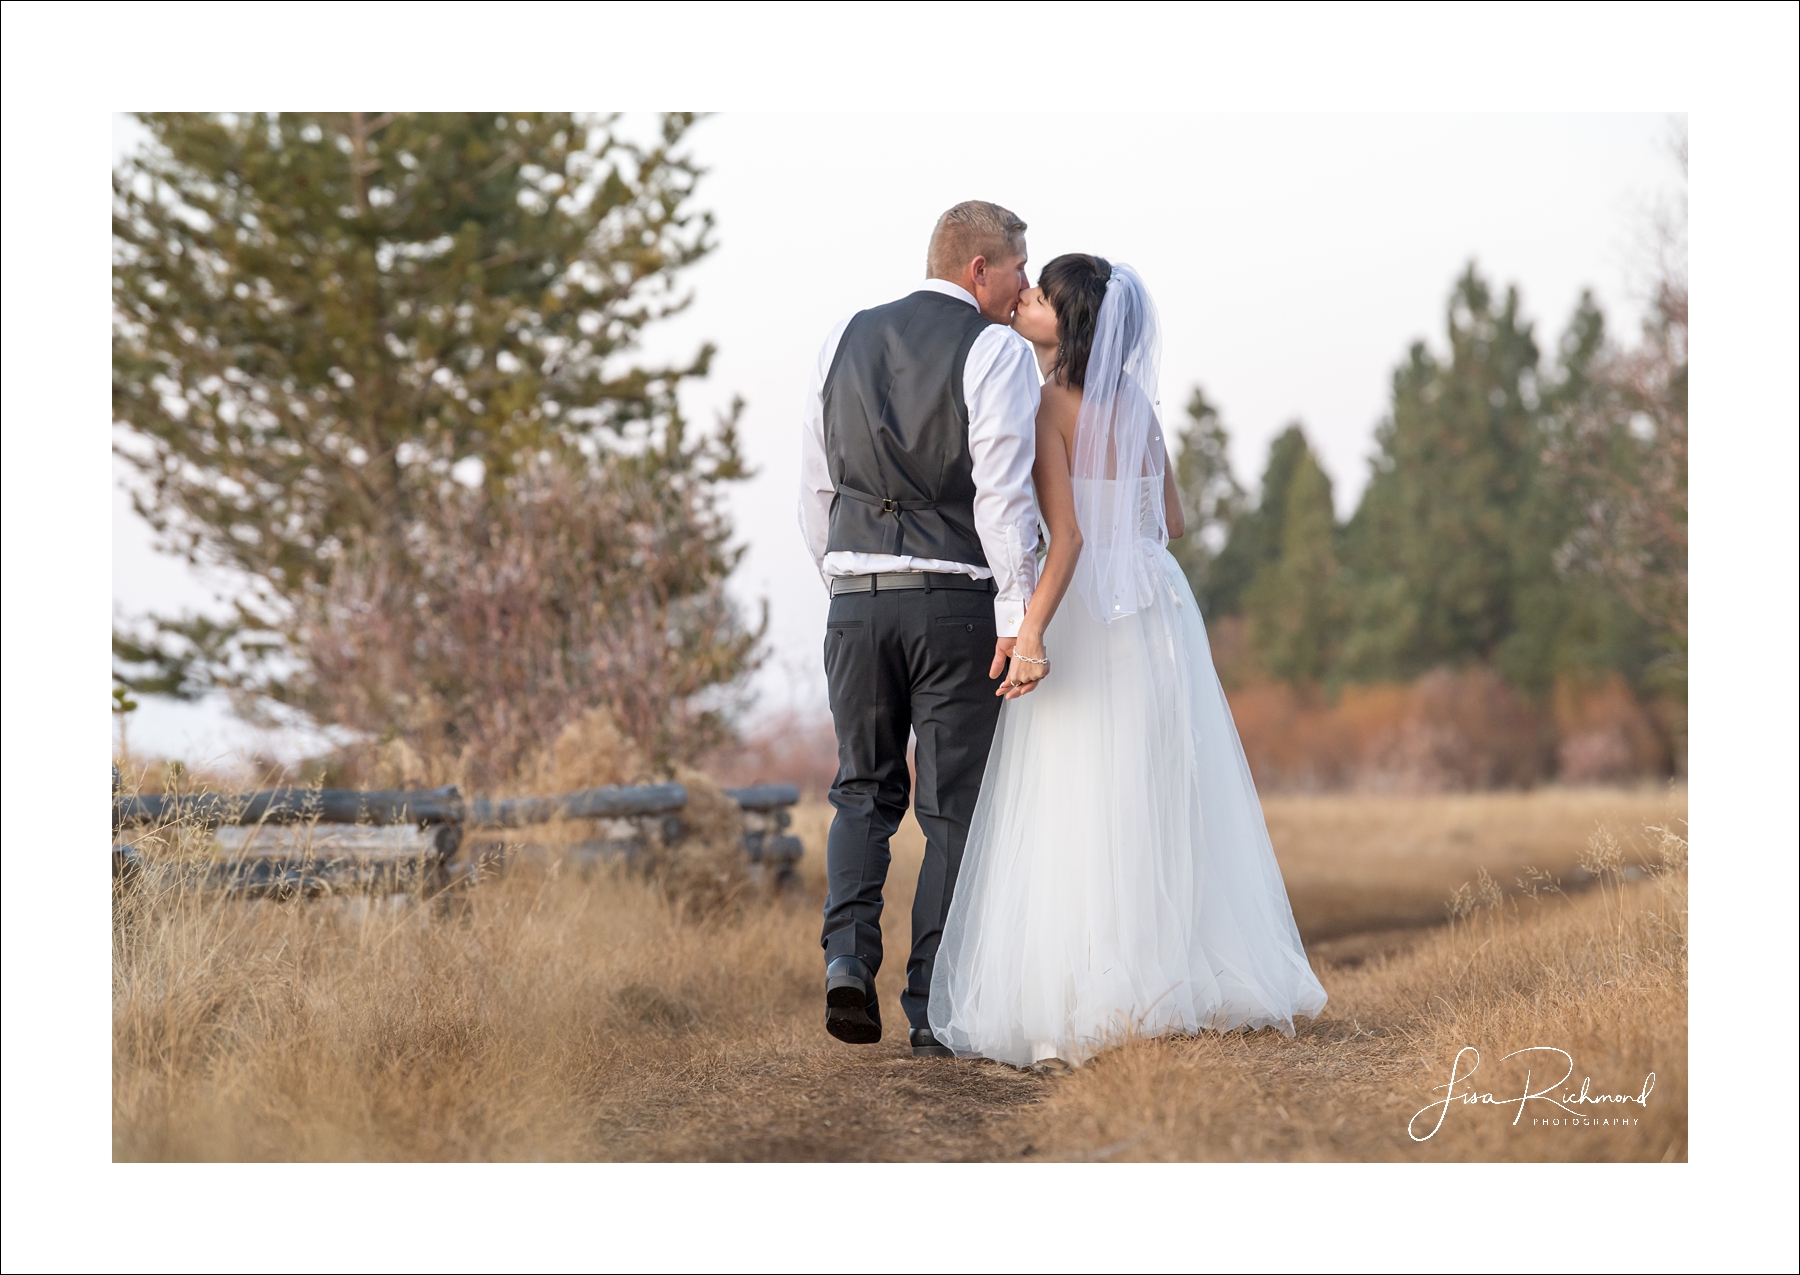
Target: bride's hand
(1030, 665)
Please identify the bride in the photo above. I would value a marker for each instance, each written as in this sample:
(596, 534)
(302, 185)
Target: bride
(1118, 880)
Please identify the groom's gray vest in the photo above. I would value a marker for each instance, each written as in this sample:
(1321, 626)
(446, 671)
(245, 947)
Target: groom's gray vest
(897, 431)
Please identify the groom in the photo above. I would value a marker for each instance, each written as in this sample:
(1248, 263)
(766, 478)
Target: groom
(916, 502)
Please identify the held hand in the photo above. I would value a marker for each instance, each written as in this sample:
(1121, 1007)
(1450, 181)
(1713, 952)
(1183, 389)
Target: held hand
(1029, 666)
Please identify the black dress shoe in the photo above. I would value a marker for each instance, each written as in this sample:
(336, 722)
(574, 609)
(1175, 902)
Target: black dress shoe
(851, 1011)
(925, 1045)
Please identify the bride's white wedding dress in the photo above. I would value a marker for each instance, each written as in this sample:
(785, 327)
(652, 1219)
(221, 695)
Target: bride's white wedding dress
(1118, 878)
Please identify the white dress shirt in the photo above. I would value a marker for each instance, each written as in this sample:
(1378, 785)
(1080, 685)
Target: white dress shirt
(1000, 387)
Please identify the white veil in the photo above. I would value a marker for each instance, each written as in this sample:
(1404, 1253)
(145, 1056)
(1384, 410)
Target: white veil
(1118, 438)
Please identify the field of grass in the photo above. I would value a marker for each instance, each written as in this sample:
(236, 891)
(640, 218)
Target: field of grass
(553, 1015)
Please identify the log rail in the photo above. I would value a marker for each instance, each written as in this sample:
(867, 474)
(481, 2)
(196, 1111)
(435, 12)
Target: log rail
(442, 816)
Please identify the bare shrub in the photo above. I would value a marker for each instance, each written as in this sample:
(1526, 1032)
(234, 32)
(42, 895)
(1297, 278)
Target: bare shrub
(1605, 735)
(1451, 731)
(1464, 730)
(502, 617)
(1291, 737)
(1448, 731)
(589, 752)
(788, 748)
(706, 871)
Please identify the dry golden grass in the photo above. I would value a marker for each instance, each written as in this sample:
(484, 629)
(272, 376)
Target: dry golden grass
(544, 1015)
(1357, 863)
(1602, 976)
(555, 1015)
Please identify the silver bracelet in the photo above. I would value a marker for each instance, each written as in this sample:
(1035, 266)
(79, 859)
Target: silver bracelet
(1026, 659)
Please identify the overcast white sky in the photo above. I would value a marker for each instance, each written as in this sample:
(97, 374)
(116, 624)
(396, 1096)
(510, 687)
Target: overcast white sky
(1293, 259)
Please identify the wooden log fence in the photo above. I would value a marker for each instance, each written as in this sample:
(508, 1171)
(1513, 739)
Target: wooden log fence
(375, 841)
(295, 805)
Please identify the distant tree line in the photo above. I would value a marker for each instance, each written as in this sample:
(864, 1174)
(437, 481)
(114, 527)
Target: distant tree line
(1524, 513)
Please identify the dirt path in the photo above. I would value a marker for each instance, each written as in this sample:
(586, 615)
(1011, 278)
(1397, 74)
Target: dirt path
(782, 1090)
(786, 1091)
(799, 1095)
(872, 1103)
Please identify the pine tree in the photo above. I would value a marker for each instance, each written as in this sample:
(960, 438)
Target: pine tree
(1432, 546)
(1211, 500)
(320, 318)
(1618, 467)
(1560, 626)
(1452, 552)
(1294, 603)
(1255, 538)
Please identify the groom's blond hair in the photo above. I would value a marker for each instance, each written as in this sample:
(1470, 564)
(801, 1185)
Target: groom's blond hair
(974, 228)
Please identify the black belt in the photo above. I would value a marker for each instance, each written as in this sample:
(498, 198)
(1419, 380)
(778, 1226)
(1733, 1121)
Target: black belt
(885, 580)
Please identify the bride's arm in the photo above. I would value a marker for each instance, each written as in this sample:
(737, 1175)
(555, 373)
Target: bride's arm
(1174, 521)
(1057, 412)
(1173, 518)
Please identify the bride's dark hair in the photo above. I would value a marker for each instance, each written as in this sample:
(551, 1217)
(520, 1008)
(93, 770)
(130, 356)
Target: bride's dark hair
(1075, 285)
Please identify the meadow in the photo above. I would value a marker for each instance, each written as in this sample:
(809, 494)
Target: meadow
(674, 1012)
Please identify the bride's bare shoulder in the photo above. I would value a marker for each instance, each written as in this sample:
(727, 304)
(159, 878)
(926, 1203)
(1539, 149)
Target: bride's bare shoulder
(1059, 404)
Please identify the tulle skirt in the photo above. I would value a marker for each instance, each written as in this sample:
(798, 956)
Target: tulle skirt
(1118, 878)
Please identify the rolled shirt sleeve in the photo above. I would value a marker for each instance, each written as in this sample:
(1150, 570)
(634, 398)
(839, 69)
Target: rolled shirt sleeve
(1000, 388)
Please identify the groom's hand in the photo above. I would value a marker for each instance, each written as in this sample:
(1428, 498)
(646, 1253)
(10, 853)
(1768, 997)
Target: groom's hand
(1003, 649)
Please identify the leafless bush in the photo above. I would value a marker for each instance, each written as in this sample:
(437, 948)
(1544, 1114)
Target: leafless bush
(506, 615)
(791, 748)
(1453, 731)
(1448, 731)
(1462, 731)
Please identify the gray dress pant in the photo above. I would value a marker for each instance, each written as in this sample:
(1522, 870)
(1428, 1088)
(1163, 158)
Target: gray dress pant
(900, 660)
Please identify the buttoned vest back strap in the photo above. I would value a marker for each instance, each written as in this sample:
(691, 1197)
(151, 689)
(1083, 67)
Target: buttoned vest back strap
(897, 431)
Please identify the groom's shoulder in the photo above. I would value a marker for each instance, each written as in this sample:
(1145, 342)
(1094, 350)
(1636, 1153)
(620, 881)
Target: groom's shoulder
(866, 313)
(1001, 343)
(920, 298)
(902, 309)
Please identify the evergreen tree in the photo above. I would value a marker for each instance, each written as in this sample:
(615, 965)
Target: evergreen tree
(1211, 501)
(1561, 626)
(1615, 468)
(1255, 538)
(319, 317)
(1432, 546)
(1452, 552)
(1294, 602)
(1618, 468)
